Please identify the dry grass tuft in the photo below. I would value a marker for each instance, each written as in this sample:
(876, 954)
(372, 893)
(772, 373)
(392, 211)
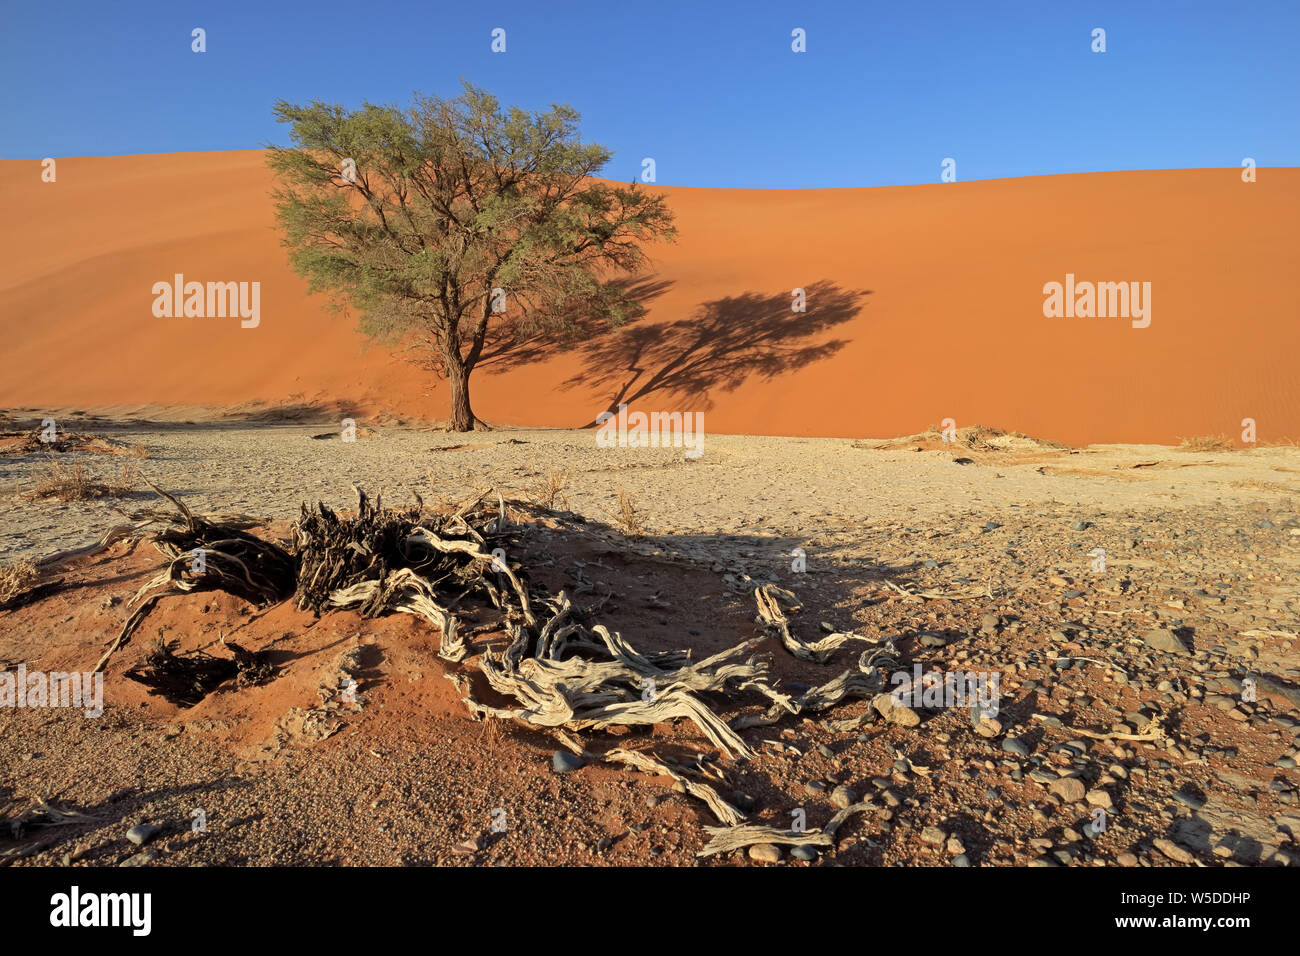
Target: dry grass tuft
(1206, 443)
(628, 516)
(76, 482)
(547, 488)
(16, 578)
(494, 734)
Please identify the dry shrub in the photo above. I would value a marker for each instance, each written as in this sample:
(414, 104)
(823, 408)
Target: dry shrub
(16, 578)
(628, 516)
(76, 482)
(128, 479)
(1206, 443)
(137, 451)
(548, 487)
(494, 734)
(66, 483)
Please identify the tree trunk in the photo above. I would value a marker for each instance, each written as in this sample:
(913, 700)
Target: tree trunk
(462, 416)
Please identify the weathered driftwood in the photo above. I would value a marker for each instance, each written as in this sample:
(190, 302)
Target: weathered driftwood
(868, 679)
(567, 742)
(724, 811)
(842, 817)
(121, 532)
(560, 669)
(773, 617)
(383, 560)
(134, 532)
(205, 555)
(603, 681)
(739, 837)
(334, 553)
(931, 595)
(481, 561)
(405, 591)
(1152, 730)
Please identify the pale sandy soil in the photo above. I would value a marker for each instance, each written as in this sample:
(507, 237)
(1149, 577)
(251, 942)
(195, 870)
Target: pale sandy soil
(793, 488)
(1203, 545)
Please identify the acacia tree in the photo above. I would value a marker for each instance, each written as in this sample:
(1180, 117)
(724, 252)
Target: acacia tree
(451, 217)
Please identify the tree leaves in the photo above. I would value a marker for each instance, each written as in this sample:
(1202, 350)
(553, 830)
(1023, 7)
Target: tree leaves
(451, 199)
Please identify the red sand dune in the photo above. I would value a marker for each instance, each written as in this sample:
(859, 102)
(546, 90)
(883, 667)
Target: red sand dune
(951, 325)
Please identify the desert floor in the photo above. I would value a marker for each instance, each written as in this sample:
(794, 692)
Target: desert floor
(973, 556)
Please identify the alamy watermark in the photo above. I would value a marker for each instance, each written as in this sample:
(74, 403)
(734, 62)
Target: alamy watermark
(655, 430)
(1085, 300)
(217, 300)
(977, 690)
(24, 688)
(75, 908)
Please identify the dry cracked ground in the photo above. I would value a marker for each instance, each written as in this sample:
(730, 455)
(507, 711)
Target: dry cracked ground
(1137, 604)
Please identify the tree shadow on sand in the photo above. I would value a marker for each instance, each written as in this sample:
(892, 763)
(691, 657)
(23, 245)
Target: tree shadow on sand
(510, 346)
(723, 344)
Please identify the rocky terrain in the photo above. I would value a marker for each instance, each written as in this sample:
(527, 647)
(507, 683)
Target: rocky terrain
(1138, 605)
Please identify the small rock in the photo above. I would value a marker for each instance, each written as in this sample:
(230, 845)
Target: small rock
(1161, 639)
(1013, 745)
(563, 761)
(962, 860)
(1172, 850)
(765, 853)
(467, 847)
(143, 833)
(988, 727)
(933, 835)
(144, 858)
(1069, 789)
(804, 852)
(894, 712)
(842, 797)
(1099, 798)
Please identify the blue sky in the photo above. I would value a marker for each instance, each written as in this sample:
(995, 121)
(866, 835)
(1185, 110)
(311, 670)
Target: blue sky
(711, 91)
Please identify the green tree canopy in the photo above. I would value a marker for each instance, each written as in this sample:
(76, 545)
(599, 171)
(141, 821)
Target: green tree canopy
(455, 216)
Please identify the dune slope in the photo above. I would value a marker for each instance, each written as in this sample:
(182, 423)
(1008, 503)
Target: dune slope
(923, 303)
